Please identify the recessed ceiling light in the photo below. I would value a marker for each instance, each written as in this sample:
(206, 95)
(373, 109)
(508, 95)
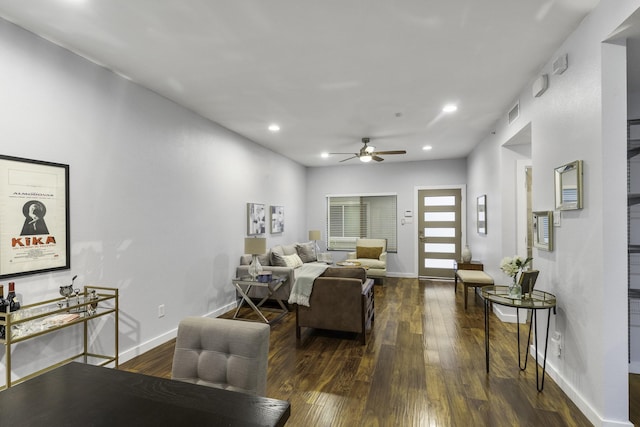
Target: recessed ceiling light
(324, 155)
(449, 108)
(274, 127)
(427, 147)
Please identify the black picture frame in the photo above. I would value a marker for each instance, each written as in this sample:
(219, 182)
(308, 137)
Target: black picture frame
(528, 281)
(34, 217)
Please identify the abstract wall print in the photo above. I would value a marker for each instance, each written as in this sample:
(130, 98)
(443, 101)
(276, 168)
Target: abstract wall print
(34, 216)
(277, 219)
(256, 219)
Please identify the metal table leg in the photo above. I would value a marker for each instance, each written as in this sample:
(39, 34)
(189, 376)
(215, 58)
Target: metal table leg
(534, 326)
(247, 299)
(486, 332)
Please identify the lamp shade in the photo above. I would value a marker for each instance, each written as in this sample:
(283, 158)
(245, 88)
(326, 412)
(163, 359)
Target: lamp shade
(314, 235)
(255, 245)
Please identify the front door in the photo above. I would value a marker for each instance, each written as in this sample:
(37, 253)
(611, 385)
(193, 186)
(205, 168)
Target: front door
(439, 231)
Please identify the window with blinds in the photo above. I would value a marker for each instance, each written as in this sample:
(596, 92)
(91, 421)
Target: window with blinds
(351, 217)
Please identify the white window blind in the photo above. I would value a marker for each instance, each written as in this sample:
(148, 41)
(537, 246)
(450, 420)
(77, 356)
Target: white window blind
(351, 217)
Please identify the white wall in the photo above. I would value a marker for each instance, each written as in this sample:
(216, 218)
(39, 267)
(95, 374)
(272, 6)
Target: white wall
(158, 194)
(581, 116)
(399, 178)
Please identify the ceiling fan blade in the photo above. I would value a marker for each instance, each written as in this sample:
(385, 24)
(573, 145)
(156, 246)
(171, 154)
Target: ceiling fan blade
(348, 158)
(353, 154)
(391, 152)
(376, 158)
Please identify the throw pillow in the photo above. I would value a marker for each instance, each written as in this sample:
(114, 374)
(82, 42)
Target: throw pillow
(306, 252)
(277, 259)
(368, 252)
(292, 261)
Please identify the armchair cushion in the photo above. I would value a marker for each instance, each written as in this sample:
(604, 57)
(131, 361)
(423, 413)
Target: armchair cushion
(371, 252)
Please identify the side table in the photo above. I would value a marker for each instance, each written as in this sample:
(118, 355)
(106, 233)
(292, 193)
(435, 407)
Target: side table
(243, 286)
(539, 300)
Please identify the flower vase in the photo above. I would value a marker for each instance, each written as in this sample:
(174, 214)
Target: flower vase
(466, 254)
(515, 290)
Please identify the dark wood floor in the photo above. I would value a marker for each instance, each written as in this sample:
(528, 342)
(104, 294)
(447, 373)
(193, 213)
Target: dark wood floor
(423, 365)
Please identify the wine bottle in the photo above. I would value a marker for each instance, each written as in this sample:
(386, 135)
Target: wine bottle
(3, 309)
(12, 301)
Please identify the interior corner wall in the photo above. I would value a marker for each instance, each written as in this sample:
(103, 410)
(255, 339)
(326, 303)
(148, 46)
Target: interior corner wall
(377, 178)
(158, 194)
(577, 118)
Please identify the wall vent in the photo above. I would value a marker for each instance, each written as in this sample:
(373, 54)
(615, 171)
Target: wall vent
(514, 113)
(560, 64)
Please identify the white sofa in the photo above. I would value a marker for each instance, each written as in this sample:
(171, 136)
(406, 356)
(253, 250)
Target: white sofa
(372, 254)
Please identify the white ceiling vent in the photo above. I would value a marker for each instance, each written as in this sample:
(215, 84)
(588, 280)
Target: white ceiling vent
(514, 113)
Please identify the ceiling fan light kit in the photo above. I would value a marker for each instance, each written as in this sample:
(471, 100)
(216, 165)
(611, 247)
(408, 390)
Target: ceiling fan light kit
(368, 153)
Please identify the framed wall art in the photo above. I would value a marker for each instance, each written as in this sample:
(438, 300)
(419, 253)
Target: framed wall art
(568, 181)
(34, 216)
(482, 214)
(543, 230)
(277, 219)
(256, 218)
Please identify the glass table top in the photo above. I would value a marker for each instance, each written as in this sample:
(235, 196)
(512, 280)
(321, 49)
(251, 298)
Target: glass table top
(535, 300)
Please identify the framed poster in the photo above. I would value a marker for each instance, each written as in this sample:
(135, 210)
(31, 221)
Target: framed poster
(34, 216)
(256, 218)
(277, 219)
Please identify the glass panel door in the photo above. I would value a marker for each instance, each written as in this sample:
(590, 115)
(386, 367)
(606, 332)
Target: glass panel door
(439, 231)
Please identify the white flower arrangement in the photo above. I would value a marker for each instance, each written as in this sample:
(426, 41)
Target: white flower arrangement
(512, 265)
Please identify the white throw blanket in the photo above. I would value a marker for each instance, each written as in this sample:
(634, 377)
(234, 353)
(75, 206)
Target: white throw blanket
(303, 285)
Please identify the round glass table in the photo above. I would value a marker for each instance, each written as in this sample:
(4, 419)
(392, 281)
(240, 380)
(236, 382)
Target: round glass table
(534, 301)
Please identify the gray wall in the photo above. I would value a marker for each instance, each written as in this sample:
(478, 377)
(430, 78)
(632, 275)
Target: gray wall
(582, 116)
(158, 194)
(397, 178)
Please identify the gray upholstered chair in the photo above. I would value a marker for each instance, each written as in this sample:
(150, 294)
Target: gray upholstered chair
(223, 353)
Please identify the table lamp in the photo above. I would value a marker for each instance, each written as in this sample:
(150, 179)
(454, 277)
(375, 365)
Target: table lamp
(315, 236)
(255, 246)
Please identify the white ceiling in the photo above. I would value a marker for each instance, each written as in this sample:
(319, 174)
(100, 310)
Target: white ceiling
(328, 72)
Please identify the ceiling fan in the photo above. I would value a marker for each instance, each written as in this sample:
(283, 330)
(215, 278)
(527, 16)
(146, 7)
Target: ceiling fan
(368, 153)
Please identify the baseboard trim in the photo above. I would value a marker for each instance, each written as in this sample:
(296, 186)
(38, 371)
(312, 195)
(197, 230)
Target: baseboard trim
(163, 338)
(575, 396)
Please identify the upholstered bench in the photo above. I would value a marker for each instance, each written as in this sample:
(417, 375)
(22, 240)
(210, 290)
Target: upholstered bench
(471, 278)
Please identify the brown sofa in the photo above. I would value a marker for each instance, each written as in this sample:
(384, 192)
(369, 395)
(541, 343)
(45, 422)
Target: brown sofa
(341, 300)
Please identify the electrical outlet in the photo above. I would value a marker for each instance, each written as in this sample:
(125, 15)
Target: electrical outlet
(161, 310)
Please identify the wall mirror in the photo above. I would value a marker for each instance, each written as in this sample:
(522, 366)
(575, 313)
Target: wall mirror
(569, 186)
(543, 230)
(482, 214)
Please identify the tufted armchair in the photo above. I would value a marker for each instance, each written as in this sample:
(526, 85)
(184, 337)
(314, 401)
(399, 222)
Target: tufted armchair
(222, 353)
(372, 254)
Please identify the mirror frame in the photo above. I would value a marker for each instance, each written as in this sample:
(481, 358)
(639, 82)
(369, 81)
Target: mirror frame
(543, 223)
(481, 214)
(564, 203)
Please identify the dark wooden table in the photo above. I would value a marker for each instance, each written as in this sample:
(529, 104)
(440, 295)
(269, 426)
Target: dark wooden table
(77, 394)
